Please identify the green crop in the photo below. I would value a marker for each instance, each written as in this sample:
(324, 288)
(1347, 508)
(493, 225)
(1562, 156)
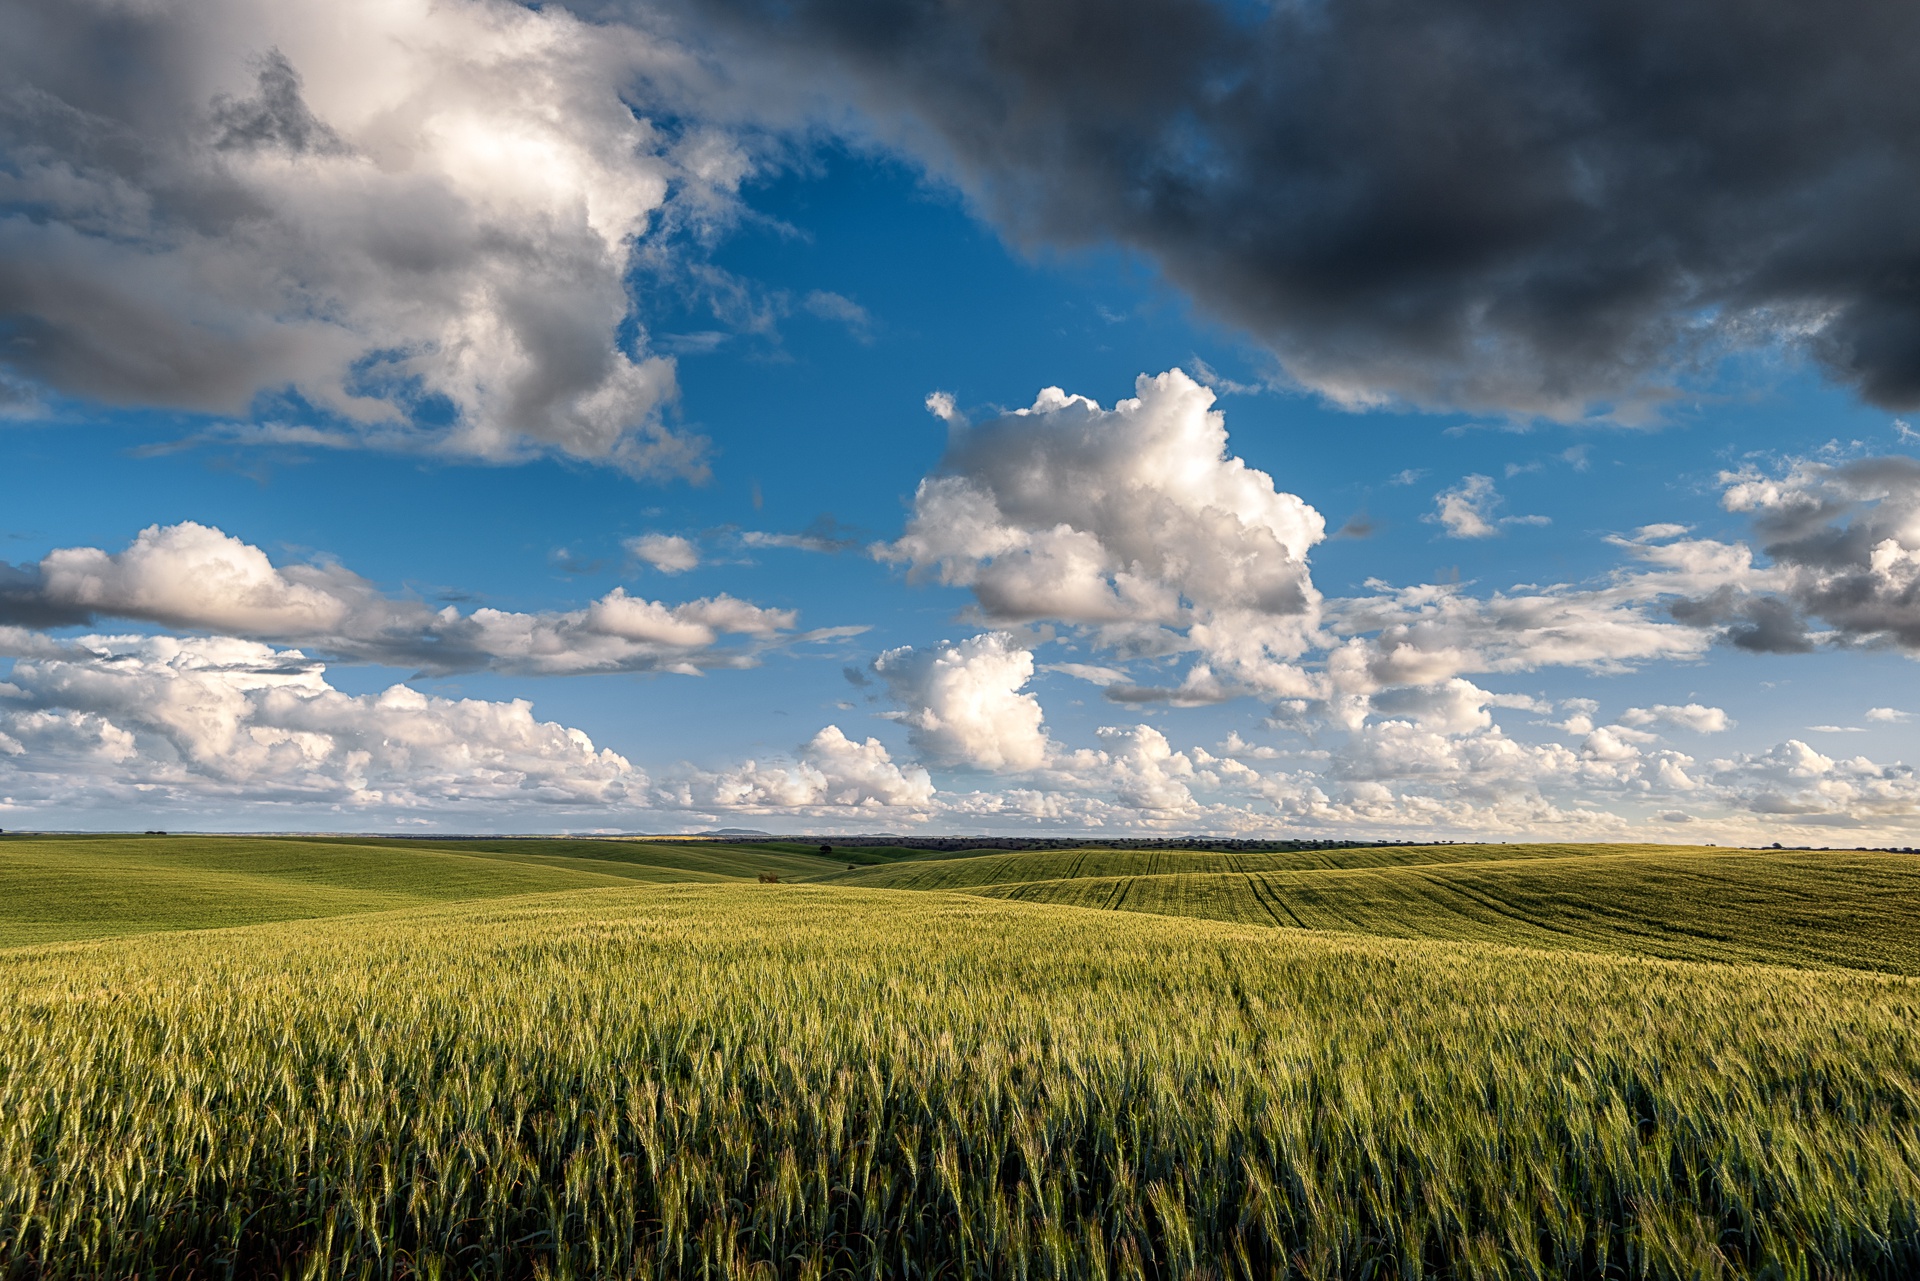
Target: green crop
(812, 1080)
(58, 888)
(1814, 908)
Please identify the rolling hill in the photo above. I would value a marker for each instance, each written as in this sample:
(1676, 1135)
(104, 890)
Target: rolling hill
(75, 887)
(1857, 909)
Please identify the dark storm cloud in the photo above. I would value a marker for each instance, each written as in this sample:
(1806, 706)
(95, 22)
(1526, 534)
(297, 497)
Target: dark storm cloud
(1521, 206)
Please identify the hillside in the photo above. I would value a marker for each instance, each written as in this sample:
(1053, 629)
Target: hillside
(1808, 908)
(1813, 908)
(75, 887)
(1002, 867)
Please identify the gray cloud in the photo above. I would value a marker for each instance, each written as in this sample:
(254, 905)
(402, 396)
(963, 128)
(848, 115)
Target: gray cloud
(417, 220)
(1537, 208)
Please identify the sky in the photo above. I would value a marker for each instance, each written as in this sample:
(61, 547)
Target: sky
(1354, 420)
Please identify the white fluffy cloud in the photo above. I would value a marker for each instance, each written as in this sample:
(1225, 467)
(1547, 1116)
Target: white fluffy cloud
(964, 705)
(196, 577)
(1134, 520)
(165, 721)
(1692, 716)
(380, 206)
(833, 776)
(1794, 782)
(668, 553)
(1138, 525)
(1470, 510)
(1465, 510)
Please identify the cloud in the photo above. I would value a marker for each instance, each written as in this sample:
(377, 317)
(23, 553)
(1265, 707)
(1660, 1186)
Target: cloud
(1467, 510)
(825, 535)
(163, 724)
(1520, 225)
(1464, 509)
(417, 219)
(1434, 632)
(1136, 525)
(833, 774)
(1887, 715)
(963, 702)
(1795, 782)
(1093, 673)
(194, 577)
(1844, 542)
(668, 553)
(1141, 768)
(842, 310)
(1692, 716)
(165, 721)
(1453, 706)
(1135, 521)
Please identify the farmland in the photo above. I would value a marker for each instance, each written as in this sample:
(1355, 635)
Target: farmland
(528, 1058)
(1793, 907)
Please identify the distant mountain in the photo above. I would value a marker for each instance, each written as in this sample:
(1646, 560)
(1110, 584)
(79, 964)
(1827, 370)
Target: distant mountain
(734, 831)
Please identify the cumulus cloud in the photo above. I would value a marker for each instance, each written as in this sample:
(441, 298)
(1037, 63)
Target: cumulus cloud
(668, 553)
(1139, 767)
(1468, 510)
(1692, 716)
(963, 702)
(194, 577)
(1795, 782)
(1137, 525)
(1464, 510)
(399, 214)
(832, 776)
(182, 725)
(1521, 225)
(1135, 521)
(152, 721)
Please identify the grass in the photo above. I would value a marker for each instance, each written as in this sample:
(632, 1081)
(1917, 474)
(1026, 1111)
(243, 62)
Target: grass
(641, 1079)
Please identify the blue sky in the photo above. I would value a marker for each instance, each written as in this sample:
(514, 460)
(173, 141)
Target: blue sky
(806, 304)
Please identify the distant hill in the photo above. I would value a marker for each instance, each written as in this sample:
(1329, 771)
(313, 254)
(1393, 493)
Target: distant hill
(1812, 908)
(76, 887)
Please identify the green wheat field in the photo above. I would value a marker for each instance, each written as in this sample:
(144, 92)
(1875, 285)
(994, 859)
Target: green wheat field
(237, 1057)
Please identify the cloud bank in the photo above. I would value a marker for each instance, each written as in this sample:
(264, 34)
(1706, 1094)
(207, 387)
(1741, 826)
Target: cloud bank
(149, 723)
(197, 578)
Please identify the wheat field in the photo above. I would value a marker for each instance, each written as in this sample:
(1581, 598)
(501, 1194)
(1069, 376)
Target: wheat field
(820, 1080)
